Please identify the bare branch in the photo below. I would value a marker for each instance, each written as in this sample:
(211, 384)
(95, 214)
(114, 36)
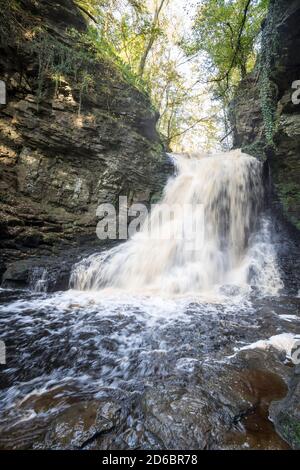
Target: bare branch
(225, 136)
(87, 13)
(226, 75)
(205, 119)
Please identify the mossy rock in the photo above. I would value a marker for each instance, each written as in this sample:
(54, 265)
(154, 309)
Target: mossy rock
(256, 149)
(289, 428)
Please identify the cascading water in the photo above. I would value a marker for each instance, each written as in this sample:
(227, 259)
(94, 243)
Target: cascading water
(129, 356)
(209, 240)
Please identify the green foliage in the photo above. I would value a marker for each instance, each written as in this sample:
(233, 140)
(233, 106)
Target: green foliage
(103, 48)
(139, 41)
(59, 61)
(78, 59)
(226, 32)
(289, 193)
(127, 28)
(291, 430)
(256, 149)
(266, 86)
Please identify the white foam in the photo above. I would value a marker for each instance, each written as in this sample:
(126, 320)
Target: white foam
(289, 318)
(283, 342)
(226, 249)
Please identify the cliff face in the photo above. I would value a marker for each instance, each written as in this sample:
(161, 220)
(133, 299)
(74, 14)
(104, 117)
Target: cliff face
(66, 145)
(266, 124)
(265, 118)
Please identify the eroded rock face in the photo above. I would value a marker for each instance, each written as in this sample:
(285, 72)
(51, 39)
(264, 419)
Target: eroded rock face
(56, 165)
(249, 121)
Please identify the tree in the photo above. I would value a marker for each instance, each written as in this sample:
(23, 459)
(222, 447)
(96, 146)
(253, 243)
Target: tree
(226, 32)
(154, 31)
(144, 41)
(175, 92)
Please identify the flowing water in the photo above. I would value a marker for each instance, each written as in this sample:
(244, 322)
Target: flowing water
(213, 237)
(155, 333)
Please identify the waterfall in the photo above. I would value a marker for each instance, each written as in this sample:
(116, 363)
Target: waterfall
(221, 195)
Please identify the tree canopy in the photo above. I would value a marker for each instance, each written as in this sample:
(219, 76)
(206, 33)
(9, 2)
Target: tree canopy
(226, 31)
(189, 66)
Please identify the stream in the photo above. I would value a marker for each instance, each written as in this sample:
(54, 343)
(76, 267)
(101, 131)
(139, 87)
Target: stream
(159, 344)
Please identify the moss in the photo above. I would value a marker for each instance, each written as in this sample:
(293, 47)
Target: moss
(256, 149)
(158, 148)
(267, 89)
(289, 194)
(290, 429)
(156, 197)
(73, 55)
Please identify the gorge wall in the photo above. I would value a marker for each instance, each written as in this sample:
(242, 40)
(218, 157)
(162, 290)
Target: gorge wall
(266, 124)
(265, 120)
(67, 144)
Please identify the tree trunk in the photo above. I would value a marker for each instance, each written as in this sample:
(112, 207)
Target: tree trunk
(151, 39)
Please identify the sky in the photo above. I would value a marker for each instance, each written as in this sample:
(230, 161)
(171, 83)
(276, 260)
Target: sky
(182, 13)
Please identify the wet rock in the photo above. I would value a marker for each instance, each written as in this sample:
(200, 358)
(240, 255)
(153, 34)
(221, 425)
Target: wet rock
(48, 273)
(228, 410)
(81, 423)
(27, 273)
(56, 166)
(22, 437)
(222, 407)
(253, 429)
(112, 375)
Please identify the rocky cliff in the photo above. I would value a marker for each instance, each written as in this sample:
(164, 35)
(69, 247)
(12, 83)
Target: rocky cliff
(74, 131)
(265, 116)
